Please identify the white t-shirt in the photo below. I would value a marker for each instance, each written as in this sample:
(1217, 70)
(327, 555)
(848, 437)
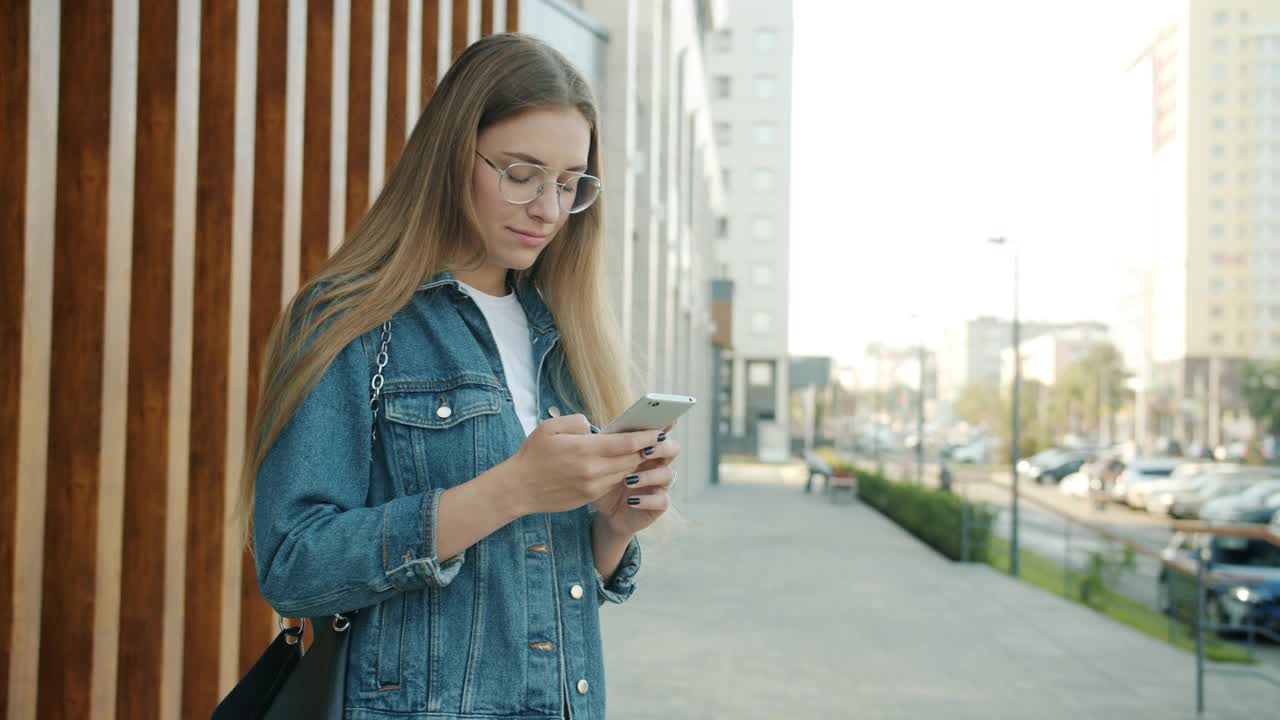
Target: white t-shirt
(510, 330)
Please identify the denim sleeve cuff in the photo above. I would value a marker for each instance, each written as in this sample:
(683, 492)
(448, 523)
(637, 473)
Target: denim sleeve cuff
(619, 589)
(409, 544)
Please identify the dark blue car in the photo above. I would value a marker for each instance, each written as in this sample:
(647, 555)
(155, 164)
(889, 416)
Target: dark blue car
(1243, 587)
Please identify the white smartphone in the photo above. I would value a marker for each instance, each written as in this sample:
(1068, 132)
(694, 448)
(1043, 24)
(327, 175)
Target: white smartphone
(654, 411)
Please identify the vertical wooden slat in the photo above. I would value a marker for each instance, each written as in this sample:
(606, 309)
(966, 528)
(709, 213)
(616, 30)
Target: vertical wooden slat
(318, 121)
(359, 68)
(486, 17)
(75, 397)
(430, 48)
(397, 68)
(266, 270)
(147, 436)
(210, 339)
(458, 38)
(513, 15)
(16, 16)
(113, 442)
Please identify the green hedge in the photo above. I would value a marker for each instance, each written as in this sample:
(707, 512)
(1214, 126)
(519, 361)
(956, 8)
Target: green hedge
(933, 516)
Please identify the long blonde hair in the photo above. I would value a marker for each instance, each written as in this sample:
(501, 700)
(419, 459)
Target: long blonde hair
(423, 222)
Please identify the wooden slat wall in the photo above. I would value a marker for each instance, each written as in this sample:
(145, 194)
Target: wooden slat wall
(13, 218)
(122, 312)
(75, 393)
(146, 490)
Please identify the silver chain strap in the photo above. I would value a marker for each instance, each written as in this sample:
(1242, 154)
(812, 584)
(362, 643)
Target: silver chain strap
(376, 383)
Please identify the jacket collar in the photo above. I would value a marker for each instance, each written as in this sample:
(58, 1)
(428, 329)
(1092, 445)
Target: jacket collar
(535, 307)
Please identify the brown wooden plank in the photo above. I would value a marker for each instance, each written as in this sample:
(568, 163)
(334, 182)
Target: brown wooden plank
(317, 124)
(75, 390)
(359, 89)
(430, 46)
(513, 15)
(397, 72)
(486, 17)
(150, 318)
(266, 274)
(14, 58)
(211, 329)
(461, 17)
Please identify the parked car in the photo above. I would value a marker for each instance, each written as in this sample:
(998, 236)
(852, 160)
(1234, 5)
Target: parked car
(1053, 465)
(1243, 587)
(975, 453)
(1215, 485)
(1092, 477)
(1137, 494)
(1187, 477)
(1256, 505)
(1141, 471)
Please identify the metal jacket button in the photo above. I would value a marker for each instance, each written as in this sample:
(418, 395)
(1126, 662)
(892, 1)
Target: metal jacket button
(553, 411)
(576, 592)
(583, 687)
(444, 411)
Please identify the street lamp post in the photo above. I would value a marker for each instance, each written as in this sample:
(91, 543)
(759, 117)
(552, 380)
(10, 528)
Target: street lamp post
(1014, 556)
(920, 414)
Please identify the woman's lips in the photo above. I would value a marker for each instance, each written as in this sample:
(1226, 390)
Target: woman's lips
(528, 238)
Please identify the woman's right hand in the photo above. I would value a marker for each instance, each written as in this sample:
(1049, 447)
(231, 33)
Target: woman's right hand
(562, 465)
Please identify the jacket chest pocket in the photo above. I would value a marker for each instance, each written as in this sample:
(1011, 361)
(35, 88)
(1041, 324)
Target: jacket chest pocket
(441, 433)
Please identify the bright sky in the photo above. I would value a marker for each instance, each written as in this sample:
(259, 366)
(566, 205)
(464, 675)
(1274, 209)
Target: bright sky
(922, 128)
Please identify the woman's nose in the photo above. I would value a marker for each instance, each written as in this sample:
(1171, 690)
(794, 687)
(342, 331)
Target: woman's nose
(546, 206)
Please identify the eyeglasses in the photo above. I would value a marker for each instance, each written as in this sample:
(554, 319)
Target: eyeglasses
(522, 183)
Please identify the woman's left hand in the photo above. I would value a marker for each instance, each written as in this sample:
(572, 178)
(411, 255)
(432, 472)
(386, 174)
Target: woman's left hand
(651, 486)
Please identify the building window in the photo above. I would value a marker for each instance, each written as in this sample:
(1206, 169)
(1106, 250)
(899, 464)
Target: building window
(1219, 151)
(724, 134)
(762, 179)
(762, 228)
(759, 374)
(1219, 71)
(1220, 44)
(1216, 284)
(766, 39)
(1218, 231)
(761, 274)
(722, 227)
(1219, 123)
(1216, 339)
(1215, 311)
(1220, 18)
(724, 87)
(765, 87)
(1219, 98)
(723, 41)
(724, 178)
(761, 323)
(1219, 204)
(1219, 178)
(763, 132)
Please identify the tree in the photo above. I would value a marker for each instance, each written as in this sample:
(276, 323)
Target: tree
(1085, 389)
(1261, 390)
(981, 404)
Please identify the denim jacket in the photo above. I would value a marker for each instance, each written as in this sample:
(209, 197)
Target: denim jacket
(508, 629)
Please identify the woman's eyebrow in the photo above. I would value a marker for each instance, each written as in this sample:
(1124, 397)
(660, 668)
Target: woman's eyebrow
(531, 159)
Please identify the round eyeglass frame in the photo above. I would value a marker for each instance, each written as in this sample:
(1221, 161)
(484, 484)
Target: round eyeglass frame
(502, 175)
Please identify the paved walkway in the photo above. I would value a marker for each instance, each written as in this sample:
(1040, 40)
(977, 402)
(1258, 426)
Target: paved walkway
(769, 603)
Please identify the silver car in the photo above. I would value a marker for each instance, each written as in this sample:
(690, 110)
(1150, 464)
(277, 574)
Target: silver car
(1188, 505)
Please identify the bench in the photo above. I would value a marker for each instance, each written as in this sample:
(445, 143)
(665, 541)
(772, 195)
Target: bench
(837, 484)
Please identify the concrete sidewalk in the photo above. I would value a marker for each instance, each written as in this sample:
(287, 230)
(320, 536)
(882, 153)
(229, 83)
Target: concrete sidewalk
(770, 603)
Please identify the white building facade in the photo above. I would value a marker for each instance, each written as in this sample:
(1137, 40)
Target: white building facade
(749, 69)
(663, 190)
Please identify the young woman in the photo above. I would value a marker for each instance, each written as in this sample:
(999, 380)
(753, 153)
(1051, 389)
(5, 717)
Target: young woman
(423, 451)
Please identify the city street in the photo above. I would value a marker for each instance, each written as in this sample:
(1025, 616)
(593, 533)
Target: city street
(769, 602)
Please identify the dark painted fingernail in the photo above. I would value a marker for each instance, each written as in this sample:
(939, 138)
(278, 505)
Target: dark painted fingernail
(633, 479)
(633, 501)
(662, 436)
(649, 451)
